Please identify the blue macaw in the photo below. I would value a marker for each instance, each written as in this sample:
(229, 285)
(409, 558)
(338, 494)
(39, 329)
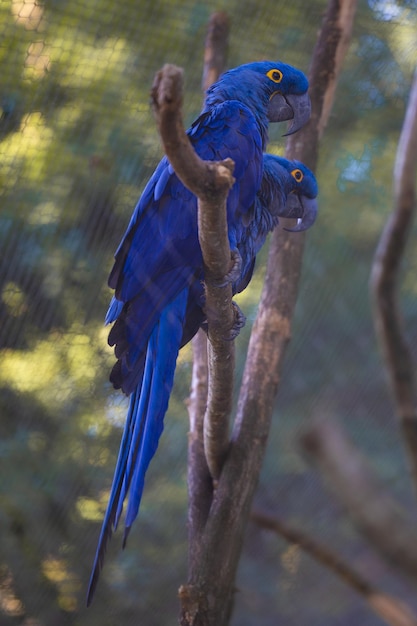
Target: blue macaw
(288, 189)
(159, 259)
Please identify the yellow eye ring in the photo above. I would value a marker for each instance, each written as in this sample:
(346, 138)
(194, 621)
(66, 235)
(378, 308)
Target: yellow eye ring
(298, 175)
(275, 75)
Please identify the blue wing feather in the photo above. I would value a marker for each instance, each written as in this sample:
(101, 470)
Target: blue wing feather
(160, 253)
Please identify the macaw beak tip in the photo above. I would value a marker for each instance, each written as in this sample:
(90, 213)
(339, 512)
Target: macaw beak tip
(301, 107)
(310, 209)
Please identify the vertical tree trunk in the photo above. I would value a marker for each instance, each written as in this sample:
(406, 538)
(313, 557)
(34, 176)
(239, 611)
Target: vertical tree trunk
(207, 599)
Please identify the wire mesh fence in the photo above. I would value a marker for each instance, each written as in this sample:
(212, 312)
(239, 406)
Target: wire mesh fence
(77, 144)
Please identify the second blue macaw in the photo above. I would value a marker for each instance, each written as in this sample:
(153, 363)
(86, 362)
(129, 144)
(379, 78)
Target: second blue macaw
(288, 189)
(159, 261)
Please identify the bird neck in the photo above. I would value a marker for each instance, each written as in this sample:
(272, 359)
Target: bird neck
(254, 99)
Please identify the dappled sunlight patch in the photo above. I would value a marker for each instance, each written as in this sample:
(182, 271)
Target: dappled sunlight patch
(10, 604)
(290, 561)
(82, 369)
(57, 572)
(14, 298)
(385, 10)
(61, 366)
(23, 152)
(44, 214)
(404, 43)
(37, 62)
(102, 334)
(29, 14)
(68, 115)
(89, 61)
(34, 129)
(116, 407)
(185, 355)
(248, 300)
(99, 456)
(276, 149)
(96, 424)
(31, 371)
(91, 510)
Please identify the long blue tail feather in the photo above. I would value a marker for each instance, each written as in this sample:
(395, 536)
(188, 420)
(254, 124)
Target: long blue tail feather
(141, 417)
(164, 345)
(144, 425)
(109, 522)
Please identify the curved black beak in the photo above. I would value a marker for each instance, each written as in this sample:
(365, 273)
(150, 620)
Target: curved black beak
(292, 107)
(302, 208)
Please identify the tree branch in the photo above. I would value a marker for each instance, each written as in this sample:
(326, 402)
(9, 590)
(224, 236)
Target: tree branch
(389, 608)
(200, 486)
(210, 181)
(384, 282)
(377, 516)
(221, 354)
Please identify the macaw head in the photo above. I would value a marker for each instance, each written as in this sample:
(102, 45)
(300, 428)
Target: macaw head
(300, 189)
(270, 88)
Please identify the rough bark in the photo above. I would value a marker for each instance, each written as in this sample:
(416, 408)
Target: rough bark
(200, 483)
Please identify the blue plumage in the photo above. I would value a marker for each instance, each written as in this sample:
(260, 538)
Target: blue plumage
(158, 265)
(288, 189)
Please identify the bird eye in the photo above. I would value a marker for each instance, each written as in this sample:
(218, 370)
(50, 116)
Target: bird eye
(275, 75)
(298, 175)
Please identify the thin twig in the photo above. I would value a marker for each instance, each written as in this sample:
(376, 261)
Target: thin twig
(373, 511)
(385, 278)
(393, 611)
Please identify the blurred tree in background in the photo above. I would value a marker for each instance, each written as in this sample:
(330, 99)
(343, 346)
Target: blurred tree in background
(77, 144)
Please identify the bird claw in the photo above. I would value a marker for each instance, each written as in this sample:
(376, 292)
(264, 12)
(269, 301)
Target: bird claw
(238, 324)
(234, 273)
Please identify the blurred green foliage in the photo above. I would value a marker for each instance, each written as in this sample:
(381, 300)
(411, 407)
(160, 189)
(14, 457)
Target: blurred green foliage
(77, 144)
